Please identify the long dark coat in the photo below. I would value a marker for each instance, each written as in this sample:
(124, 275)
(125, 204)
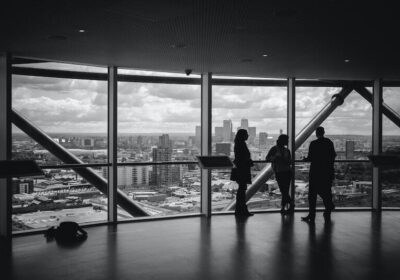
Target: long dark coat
(241, 173)
(322, 155)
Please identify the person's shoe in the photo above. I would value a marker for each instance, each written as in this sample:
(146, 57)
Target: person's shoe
(247, 213)
(238, 213)
(291, 209)
(308, 219)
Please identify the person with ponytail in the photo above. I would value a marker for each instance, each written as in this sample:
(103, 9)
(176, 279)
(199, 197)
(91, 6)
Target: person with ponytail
(241, 172)
(281, 158)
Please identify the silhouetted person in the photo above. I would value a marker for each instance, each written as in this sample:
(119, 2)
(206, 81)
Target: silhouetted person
(321, 154)
(241, 172)
(280, 157)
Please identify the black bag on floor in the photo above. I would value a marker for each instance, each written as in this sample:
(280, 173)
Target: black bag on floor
(67, 232)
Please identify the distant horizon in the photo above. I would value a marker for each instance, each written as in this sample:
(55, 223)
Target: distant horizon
(178, 134)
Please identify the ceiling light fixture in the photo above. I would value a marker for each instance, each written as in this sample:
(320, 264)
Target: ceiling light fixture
(264, 55)
(81, 30)
(347, 60)
(178, 46)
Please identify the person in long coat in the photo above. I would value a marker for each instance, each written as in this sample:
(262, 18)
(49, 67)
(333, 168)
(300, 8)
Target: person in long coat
(321, 154)
(241, 172)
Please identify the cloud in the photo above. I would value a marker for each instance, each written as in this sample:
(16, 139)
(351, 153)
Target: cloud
(68, 105)
(45, 110)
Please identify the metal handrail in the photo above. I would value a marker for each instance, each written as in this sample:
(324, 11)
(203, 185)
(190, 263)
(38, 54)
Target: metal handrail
(67, 166)
(149, 163)
(155, 163)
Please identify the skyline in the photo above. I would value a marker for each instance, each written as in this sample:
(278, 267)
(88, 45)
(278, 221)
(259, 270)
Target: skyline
(80, 106)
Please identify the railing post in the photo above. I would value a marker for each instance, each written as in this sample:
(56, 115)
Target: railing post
(291, 127)
(206, 142)
(112, 143)
(377, 143)
(5, 144)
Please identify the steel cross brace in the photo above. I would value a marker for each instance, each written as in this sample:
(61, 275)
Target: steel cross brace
(64, 155)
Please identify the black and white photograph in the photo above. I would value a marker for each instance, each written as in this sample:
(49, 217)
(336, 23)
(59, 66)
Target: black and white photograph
(199, 139)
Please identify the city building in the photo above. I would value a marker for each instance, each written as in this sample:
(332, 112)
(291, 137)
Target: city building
(262, 139)
(87, 142)
(130, 176)
(223, 149)
(350, 145)
(252, 134)
(252, 131)
(22, 186)
(227, 131)
(244, 124)
(219, 134)
(162, 174)
(198, 136)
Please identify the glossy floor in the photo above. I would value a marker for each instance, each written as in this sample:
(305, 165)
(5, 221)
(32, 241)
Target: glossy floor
(356, 245)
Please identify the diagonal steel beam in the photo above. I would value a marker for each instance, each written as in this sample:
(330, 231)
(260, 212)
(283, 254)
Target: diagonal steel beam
(318, 119)
(386, 110)
(64, 155)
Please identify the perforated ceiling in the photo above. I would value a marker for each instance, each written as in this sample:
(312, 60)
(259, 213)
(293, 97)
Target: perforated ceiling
(304, 39)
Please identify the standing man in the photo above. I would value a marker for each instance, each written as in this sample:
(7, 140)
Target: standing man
(321, 154)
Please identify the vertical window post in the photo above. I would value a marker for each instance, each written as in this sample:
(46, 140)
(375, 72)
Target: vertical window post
(377, 143)
(206, 142)
(112, 143)
(5, 144)
(291, 129)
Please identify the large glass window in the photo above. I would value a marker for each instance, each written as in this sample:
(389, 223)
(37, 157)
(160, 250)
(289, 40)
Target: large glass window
(161, 190)
(73, 114)
(262, 111)
(352, 185)
(159, 137)
(350, 129)
(391, 144)
(59, 195)
(159, 123)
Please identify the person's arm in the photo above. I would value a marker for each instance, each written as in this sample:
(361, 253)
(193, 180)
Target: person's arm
(310, 155)
(333, 152)
(271, 154)
(289, 160)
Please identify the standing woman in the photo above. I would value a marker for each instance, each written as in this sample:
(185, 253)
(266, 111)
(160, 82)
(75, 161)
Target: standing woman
(241, 172)
(281, 159)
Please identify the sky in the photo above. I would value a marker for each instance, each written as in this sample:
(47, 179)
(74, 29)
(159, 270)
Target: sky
(69, 105)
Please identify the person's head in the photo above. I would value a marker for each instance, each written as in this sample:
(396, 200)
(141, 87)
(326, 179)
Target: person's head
(241, 135)
(283, 140)
(319, 132)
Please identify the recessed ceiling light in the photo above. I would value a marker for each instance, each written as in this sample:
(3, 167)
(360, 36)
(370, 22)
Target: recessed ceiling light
(347, 60)
(81, 30)
(178, 46)
(264, 55)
